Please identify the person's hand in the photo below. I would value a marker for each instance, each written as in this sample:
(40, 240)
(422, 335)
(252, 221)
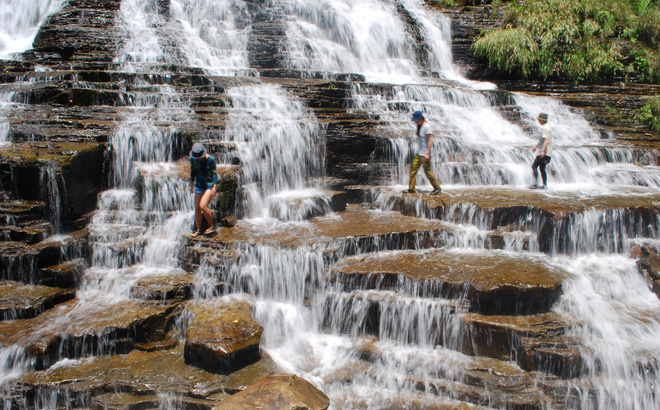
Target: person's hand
(191, 190)
(542, 154)
(427, 157)
(533, 149)
(213, 191)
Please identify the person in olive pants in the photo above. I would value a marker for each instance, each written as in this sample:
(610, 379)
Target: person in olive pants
(423, 154)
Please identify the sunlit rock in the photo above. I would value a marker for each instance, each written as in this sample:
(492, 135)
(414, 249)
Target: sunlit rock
(278, 391)
(222, 336)
(561, 221)
(172, 286)
(139, 379)
(66, 274)
(535, 342)
(493, 282)
(19, 301)
(73, 329)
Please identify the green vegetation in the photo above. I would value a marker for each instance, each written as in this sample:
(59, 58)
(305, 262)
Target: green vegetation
(578, 40)
(650, 113)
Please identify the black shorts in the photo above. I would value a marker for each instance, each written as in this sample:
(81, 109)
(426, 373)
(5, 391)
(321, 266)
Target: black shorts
(542, 161)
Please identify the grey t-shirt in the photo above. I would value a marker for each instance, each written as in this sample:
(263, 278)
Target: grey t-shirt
(423, 139)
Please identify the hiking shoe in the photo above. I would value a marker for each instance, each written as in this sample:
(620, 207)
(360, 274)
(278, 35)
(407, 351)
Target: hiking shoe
(436, 191)
(409, 191)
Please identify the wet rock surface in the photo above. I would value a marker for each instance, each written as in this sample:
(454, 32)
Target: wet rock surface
(69, 97)
(494, 283)
(278, 391)
(530, 340)
(19, 301)
(73, 330)
(223, 336)
(137, 379)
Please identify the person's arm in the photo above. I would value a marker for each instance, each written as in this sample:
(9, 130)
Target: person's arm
(428, 150)
(214, 170)
(546, 141)
(192, 176)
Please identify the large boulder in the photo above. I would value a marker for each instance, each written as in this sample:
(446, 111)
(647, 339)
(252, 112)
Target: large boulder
(223, 335)
(278, 392)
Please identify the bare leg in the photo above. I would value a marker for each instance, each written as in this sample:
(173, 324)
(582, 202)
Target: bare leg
(198, 212)
(204, 207)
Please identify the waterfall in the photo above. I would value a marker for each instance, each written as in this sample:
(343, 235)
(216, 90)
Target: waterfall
(620, 323)
(381, 339)
(280, 146)
(19, 21)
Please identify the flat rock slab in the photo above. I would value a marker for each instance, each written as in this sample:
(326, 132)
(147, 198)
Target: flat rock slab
(18, 301)
(494, 282)
(34, 152)
(286, 392)
(223, 335)
(140, 377)
(553, 201)
(174, 286)
(79, 328)
(537, 342)
(355, 222)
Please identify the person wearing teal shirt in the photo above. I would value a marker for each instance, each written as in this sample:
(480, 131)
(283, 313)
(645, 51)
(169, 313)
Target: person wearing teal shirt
(203, 181)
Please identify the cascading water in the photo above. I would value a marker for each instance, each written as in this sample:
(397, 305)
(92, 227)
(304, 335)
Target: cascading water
(280, 146)
(20, 20)
(323, 329)
(475, 145)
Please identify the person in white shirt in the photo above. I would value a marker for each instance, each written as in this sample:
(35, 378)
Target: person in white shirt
(422, 155)
(543, 158)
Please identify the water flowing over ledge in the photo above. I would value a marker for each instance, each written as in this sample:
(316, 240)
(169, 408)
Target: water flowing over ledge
(488, 294)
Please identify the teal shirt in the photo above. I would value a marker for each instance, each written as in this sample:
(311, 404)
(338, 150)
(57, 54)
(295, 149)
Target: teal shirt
(204, 173)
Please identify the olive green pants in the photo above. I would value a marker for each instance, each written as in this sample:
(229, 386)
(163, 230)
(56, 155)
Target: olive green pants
(414, 167)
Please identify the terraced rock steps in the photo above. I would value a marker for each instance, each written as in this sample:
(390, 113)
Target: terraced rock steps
(392, 282)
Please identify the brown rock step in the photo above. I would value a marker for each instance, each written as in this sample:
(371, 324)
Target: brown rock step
(66, 274)
(28, 235)
(25, 262)
(494, 282)
(536, 342)
(169, 286)
(278, 391)
(477, 380)
(81, 328)
(560, 219)
(20, 301)
(21, 262)
(125, 380)
(79, 167)
(19, 212)
(222, 336)
(357, 227)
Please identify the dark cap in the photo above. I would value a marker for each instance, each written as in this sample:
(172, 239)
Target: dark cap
(197, 150)
(543, 117)
(417, 115)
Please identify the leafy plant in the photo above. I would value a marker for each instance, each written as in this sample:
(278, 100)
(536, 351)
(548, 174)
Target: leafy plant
(649, 113)
(579, 40)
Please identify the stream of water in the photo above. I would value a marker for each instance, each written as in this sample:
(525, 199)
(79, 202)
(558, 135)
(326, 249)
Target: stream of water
(137, 226)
